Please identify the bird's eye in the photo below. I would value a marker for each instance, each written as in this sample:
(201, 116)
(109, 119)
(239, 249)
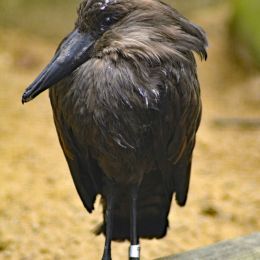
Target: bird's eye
(107, 22)
(111, 19)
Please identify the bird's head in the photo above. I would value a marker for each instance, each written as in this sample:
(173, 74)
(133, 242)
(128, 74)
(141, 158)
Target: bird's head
(147, 29)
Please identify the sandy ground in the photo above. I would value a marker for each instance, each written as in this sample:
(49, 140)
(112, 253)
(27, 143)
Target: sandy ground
(41, 216)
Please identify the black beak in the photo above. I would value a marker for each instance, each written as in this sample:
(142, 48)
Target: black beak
(73, 52)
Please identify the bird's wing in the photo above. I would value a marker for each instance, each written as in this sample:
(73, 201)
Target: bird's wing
(182, 112)
(84, 170)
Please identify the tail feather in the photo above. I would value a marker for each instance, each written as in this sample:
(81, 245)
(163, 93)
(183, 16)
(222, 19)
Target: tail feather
(152, 211)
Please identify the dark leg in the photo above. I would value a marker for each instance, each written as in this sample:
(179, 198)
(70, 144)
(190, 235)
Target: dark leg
(110, 199)
(134, 251)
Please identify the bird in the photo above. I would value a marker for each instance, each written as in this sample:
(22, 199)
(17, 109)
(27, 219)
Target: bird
(126, 104)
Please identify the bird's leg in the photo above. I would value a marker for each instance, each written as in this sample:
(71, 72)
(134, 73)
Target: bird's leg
(110, 200)
(134, 251)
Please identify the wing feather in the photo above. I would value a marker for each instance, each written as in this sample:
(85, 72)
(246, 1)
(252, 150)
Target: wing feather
(183, 114)
(85, 171)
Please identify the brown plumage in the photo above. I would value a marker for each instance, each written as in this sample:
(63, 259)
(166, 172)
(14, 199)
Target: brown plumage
(126, 105)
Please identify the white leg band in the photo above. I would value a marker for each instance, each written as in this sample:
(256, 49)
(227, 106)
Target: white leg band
(134, 251)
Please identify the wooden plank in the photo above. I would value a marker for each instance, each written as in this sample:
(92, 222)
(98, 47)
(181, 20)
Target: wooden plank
(244, 248)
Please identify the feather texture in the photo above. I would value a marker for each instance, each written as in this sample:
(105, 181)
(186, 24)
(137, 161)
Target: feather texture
(131, 112)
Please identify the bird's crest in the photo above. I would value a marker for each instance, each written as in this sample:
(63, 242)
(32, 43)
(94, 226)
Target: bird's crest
(146, 29)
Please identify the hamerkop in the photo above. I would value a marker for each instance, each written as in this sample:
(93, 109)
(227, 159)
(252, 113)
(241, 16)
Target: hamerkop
(126, 105)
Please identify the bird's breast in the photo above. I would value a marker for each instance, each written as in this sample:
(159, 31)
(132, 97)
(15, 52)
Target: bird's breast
(107, 105)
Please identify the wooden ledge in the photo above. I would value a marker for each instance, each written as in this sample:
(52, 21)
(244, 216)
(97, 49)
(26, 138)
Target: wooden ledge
(244, 248)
